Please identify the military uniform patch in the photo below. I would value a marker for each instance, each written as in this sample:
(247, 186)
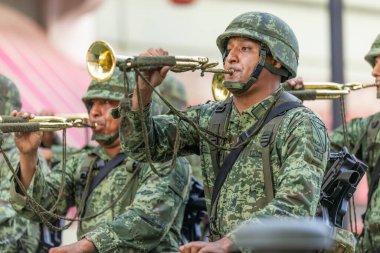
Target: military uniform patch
(319, 139)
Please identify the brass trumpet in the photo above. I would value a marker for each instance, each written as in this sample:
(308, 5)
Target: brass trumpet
(101, 62)
(310, 91)
(10, 124)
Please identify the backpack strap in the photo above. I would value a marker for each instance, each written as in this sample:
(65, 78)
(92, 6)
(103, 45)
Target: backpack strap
(266, 142)
(85, 172)
(104, 171)
(372, 131)
(286, 103)
(217, 125)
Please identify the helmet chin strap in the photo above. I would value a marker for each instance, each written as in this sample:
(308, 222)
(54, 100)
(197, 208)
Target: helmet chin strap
(106, 139)
(240, 87)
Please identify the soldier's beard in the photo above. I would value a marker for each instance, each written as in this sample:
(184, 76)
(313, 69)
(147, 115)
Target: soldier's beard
(378, 89)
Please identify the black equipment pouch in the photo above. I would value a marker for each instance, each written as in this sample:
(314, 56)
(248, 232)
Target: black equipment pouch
(50, 238)
(195, 211)
(339, 185)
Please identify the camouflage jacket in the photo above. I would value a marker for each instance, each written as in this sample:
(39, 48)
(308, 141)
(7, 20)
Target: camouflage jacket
(148, 221)
(13, 228)
(298, 160)
(357, 130)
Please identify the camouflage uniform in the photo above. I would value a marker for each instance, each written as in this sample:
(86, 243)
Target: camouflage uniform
(149, 215)
(15, 232)
(174, 91)
(370, 153)
(298, 159)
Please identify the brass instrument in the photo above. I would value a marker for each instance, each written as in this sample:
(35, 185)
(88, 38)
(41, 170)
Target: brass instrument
(43, 123)
(101, 62)
(310, 91)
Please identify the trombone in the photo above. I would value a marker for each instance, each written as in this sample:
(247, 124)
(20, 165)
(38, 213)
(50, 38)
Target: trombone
(9, 124)
(101, 62)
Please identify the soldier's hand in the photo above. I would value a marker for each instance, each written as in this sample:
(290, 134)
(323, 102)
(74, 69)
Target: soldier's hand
(223, 245)
(295, 83)
(27, 143)
(154, 77)
(48, 137)
(82, 246)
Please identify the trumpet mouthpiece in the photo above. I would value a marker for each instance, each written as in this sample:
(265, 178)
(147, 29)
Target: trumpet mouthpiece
(93, 125)
(229, 71)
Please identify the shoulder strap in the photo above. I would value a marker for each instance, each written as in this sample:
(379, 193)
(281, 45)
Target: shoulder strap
(373, 130)
(369, 134)
(217, 126)
(266, 143)
(84, 172)
(234, 154)
(110, 165)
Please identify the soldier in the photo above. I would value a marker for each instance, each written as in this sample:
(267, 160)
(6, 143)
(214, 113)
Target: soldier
(147, 217)
(364, 136)
(17, 234)
(261, 50)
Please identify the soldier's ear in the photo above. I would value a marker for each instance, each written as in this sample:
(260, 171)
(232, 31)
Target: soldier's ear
(276, 64)
(273, 62)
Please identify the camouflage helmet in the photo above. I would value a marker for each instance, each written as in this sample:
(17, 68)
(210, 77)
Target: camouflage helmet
(269, 30)
(112, 89)
(174, 91)
(9, 96)
(373, 52)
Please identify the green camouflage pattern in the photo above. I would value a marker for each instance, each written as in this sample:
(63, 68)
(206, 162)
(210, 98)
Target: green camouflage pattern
(9, 96)
(369, 154)
(344, 241)
(113, 89)
(298, 160)
(171, 89)
(13, 227)
(174, 91)
(149, 220)
(271, 31)
(373, 52)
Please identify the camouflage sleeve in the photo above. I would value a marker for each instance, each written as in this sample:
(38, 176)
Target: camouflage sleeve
(355, 128)
(162, 131)
(44, 188)
(303, 151)
(157, 203)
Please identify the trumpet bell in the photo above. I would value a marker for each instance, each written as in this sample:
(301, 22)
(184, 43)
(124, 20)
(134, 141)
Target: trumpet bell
(218, 92)
(100, 61)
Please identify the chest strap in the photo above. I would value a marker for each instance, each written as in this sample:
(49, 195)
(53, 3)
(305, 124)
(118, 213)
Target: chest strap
(218, 123)
(230, 160)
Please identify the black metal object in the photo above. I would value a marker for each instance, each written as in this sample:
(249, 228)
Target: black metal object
(339, 185)
(337, 66)
(195, 213)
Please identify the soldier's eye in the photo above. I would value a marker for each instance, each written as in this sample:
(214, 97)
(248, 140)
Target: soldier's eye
(245, 49)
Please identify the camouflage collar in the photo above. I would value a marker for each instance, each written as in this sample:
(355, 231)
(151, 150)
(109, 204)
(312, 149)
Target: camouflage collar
(101, 153)
(258, 110)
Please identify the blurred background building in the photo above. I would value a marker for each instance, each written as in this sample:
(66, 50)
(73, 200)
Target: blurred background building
(43, 44)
